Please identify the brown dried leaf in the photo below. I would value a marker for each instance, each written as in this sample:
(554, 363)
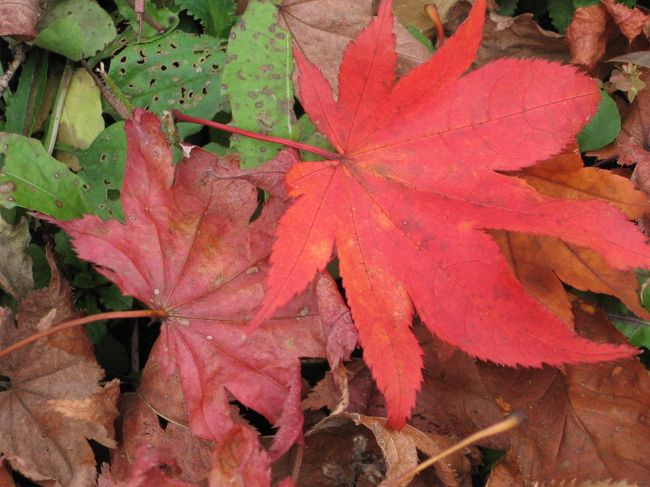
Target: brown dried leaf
(140, 426)
(334, 23)
(634, 139)
(520, 37)
(400, 451)
(53, 403)
(587, 35)
(542, 263)
(589, 423)
(630, 20)
(506, 474)
(15, 262)
(18, 18)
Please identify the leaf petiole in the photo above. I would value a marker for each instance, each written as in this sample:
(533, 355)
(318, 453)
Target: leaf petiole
(113, 315)
(181, 117)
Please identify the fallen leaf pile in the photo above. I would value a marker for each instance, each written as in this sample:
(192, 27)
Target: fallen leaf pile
(335, 322)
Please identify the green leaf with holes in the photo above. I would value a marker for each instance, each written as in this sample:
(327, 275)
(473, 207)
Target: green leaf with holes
(102, 168)
(164, 17)
(76, 29)
(44, 184)
(216, 16)
(180, 71)
(257, 81)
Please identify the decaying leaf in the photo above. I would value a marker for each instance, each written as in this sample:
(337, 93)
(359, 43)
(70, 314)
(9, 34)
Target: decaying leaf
(18, 18)
(53, 405)
(15, 263)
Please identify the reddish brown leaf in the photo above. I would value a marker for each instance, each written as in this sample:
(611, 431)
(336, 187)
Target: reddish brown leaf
(630, 20)
(53, 403)
(239, 461)
(587, 35)
(140, 426)
(18, 18)
(587, 423)
(187, 247)
(634, 139)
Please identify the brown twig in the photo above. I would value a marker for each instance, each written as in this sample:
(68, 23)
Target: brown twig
(114, 315)
(515, 419)
(20, 54)
(146, 17)
(434, 15)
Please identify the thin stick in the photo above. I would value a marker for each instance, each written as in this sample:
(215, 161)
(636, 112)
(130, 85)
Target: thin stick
(20, 54)
(181, 117)
(512, 421)
(114, 315)
(55, 119)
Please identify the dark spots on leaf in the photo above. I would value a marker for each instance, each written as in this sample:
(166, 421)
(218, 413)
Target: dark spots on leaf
(176, 64)
(259, 104)
(173, 45)
(102, 157)
(163, 67)
(122, 71)
(155, 99)
(252, 94)
(275, 76)
(152, 82)
(123, 59)
(280, 35)
(58, 203)
(266, 67)
(215, 67)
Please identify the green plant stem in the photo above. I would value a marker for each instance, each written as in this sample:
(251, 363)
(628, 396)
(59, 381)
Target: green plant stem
(181, 117)
(113, 315)
(55, 119)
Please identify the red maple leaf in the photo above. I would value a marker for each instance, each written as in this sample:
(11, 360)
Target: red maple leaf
(187, 247)
(416, 185)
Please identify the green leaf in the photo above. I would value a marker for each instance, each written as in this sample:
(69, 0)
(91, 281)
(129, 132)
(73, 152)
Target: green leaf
(561, 12)
(112, 298)
(41, 271)
(179, 71)
(20, 112)
(507, 8)
(585, 3)
(216, 16)
(420, 37)
(603, 128)
(102, 168)
(637, 331)
(76, 29)
(257, 80)
(31, 178)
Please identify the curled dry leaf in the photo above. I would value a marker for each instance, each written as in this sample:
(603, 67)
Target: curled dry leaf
(633, 142)
(592, 27)
(187, 247)
(53, 405)
(334, 23)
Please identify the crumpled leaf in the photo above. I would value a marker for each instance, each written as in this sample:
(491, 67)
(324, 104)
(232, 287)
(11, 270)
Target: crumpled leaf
(334, 23)
(187, 248)
(634, 140)
(592, 27)
(15, 263)
(52, 405)
(414, 184)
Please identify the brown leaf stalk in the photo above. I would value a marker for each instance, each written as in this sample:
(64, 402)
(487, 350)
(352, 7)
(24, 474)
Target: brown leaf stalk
(114, 315)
